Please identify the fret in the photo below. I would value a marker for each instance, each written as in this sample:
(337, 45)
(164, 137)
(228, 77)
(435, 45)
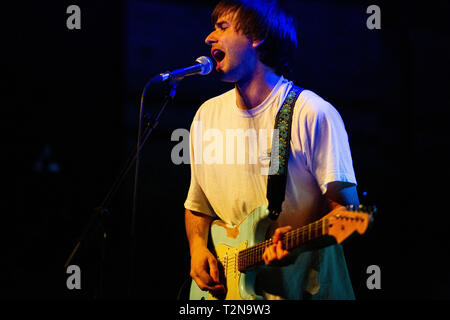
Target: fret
(287, 240)
(303, 235)
(319, 228)
(313, 231)
(316, 230)
(247, 261)
(286, 243)
(291, 238)
(294, 242)
(296, 239)
(247, 258)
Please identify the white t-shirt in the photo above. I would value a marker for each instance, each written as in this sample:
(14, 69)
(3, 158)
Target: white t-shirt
(229, 179)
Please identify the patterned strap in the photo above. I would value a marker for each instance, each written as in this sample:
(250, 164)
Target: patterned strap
(276, 181)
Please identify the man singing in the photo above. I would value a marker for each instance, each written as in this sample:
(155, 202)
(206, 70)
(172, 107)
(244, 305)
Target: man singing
(253, 45)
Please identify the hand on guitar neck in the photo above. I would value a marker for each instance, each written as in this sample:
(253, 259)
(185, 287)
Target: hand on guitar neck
(338, 195)
(276, 252)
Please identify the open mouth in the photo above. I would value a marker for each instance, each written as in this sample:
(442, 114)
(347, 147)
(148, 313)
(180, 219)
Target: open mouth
(218, 55)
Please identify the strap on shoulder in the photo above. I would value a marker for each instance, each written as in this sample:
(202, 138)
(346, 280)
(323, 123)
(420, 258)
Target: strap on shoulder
(279, 156)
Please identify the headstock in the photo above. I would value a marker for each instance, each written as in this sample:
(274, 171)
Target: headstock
(341, 223)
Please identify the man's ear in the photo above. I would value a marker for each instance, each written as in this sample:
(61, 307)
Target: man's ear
(257, 43)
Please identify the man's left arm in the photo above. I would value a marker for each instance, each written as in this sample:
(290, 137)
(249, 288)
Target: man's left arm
(338, 195)
(341, 194)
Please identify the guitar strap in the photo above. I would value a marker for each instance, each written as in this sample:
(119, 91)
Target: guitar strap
(276, 181)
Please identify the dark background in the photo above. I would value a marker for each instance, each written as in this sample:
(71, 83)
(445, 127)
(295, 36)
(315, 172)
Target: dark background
(74, 97)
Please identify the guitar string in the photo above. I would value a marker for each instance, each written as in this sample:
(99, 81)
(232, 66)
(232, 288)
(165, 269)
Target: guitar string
(289, 236)
(316, 229)
(248, 258)
(254, 254)
(249, 255)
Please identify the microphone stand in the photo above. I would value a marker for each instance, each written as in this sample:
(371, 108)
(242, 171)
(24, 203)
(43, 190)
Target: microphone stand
(102, 210)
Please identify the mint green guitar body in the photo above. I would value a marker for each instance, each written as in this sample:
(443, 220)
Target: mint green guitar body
(227, 242)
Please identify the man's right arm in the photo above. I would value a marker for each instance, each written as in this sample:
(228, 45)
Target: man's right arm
(204, 269)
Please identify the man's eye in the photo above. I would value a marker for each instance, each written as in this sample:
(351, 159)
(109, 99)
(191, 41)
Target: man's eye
(222, 27)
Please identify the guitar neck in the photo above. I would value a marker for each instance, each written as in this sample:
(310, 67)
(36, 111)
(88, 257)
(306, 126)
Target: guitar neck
(292, 239)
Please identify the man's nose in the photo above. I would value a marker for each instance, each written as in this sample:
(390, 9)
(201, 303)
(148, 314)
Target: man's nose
(211, 38)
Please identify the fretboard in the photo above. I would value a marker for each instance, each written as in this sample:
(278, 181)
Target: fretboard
(294, 238)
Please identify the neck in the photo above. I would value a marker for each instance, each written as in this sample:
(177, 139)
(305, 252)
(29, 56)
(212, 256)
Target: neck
(292, 239)
(252, 91)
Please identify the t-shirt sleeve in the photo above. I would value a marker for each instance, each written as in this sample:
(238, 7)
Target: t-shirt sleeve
(196, 199)
(326, 144)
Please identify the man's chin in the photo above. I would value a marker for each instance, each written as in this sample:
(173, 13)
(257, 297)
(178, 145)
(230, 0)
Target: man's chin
(225, 77)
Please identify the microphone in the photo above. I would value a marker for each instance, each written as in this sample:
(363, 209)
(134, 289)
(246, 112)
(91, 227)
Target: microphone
(203, 67)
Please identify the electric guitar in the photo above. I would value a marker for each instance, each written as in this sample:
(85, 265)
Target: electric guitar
(238, 249)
